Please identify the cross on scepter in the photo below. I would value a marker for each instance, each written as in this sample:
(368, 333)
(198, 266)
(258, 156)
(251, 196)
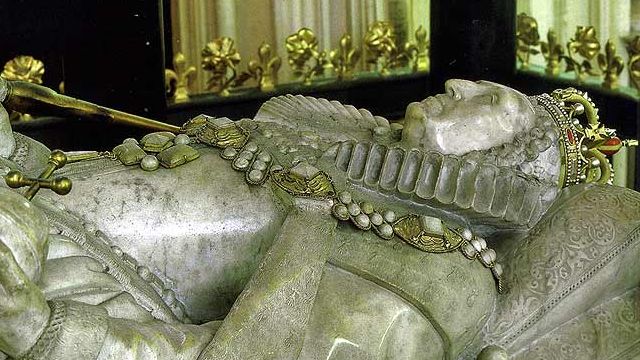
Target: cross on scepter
(59, 185)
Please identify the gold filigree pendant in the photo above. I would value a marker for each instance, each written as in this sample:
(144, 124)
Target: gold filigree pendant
(427, 234)
(317, 186)
(228, 135)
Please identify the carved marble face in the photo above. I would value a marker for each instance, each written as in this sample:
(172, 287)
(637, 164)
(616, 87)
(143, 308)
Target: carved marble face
(470, 116)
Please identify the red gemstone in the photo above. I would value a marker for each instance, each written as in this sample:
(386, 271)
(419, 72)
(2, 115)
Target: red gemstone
(572, 140)
(611, 146)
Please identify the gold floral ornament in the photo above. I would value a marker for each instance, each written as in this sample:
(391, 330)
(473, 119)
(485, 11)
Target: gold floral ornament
(527, 39)
(302, 49)
(585, 44)
(418, 51)
(263, 70)
(633, 48)
(178, 80)
(220, 57)
(23, 68)
(427, 234)
(552, 51)
(611, 65)
(344, 58)
(380, 42)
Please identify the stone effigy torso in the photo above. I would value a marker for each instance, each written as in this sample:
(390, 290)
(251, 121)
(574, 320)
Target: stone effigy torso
(180, 245)
(205, 254)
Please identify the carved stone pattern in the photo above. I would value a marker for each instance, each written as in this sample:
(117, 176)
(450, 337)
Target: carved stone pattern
(561, 253)
(91, 168)
(298, 128)
(331, 119)
(50, 335)
(609, 331)
(83, 324)
(273, 310)
(21, 151)
(142, 291)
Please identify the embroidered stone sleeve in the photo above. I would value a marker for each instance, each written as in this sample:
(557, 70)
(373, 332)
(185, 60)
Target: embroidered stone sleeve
(80, 331)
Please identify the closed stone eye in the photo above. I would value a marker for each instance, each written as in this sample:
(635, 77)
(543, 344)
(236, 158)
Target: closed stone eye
(488, 99)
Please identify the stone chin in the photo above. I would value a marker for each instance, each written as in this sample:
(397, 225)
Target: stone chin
(470, 116)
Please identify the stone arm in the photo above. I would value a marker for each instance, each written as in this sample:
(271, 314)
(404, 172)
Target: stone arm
(23, 245)
(23, 309)
(85, 323)
(270, 317)
(86, 314)
(80, 331)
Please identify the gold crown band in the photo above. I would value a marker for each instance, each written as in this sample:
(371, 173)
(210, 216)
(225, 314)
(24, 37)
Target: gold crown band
(583, 149)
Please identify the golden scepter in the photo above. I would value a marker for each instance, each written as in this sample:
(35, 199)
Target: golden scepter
(25, 97)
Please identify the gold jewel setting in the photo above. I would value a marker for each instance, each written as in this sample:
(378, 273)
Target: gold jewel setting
(427, 234)
(217, 132)
(155, 149)
(585, 147)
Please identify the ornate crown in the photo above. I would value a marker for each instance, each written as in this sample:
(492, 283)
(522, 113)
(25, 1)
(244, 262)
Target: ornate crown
(584, 148)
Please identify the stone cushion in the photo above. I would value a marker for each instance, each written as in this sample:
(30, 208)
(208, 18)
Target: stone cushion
(582, 253)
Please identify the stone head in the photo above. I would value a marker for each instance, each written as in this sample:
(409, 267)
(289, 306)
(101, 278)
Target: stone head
(470, 116)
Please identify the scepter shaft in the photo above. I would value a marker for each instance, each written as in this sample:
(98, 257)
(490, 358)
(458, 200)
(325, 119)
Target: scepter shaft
(30, 98)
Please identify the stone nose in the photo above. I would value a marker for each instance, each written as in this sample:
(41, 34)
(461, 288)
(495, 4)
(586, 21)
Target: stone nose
(460, 89)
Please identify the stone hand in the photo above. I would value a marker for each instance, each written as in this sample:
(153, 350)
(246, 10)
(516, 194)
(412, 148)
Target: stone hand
(24, 312)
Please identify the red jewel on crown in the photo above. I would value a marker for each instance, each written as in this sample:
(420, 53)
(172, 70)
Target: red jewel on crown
(570, 137)
(611, 146)
(591, 140)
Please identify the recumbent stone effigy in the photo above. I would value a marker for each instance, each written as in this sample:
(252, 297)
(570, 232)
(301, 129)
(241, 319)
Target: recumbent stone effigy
(482, 228)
